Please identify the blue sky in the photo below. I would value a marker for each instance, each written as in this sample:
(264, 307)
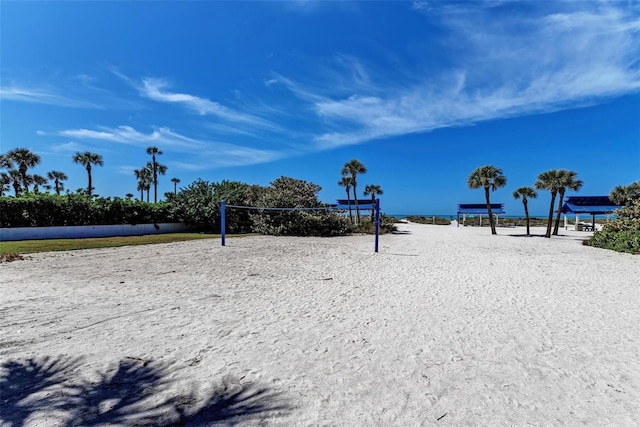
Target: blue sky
(421, 92)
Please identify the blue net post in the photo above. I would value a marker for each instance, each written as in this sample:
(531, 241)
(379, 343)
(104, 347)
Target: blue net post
(222, 225)
(377, 222)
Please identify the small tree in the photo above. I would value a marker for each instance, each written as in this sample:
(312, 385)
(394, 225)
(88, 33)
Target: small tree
(57, 178)
(568, 181)
(87, 159)
(624, 194)
(526, 193)
(25, 159)
(549, 180)
(347, 182)
(487, 177)
(156, 169)
(175, 181)
(353, 168)
(38, 181)
(373, 190)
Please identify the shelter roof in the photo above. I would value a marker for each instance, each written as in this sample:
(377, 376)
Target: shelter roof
(594, 205)
(480, 208)
(353, 203)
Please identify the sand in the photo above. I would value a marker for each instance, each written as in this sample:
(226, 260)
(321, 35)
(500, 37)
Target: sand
(444, 326)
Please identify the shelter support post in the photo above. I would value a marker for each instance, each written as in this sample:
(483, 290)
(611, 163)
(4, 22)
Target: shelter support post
(577, 222)
(566, 222)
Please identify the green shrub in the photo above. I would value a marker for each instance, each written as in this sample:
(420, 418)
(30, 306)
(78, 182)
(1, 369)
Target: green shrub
(45, 210)
(621, 234)
(287, 192)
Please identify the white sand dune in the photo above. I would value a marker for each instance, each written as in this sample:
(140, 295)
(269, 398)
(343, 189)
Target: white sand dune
(444, 326)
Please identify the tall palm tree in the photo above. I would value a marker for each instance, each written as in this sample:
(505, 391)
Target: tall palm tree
(144, 181)
(568, 181)
(175, 181)
(38, 180)
(549, 180)
(346, 182)
(624, 194)
(373, 190)
(354, 167)
(526, 193)
(487, 177)
(57, 178)
(156, 169)
(25, 159)
(87, 159)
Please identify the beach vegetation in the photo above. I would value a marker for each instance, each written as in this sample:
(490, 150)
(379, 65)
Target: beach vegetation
(368, 226)
(347, 183)
(87, 159)
(287, 192)
(550, 180)
(58, 177)
(525, 193)
(353, 168)
(488, 178)
(567, 181)
(435, 220)
(44, 210)
(24, 159)
(373, 191)
(175, 181)
(623, 233)
(156, 169)
(623, 195)
(143, 176)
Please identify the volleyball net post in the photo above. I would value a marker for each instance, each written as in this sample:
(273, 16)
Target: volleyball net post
(223, 209)
(222, 221)
(377, 207)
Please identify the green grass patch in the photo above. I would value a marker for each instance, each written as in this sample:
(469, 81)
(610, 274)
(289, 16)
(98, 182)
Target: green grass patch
(33, 246)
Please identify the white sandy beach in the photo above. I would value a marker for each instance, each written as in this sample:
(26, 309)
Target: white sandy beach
(444, 326)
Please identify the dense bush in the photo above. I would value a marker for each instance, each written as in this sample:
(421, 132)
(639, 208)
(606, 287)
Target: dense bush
(199, 205)
(43, 210)
(287, 192)
(621, 234)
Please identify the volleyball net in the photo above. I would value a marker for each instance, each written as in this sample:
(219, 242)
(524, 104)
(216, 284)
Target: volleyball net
(256, 210)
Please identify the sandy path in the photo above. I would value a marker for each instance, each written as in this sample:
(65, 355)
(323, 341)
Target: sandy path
(445, 326)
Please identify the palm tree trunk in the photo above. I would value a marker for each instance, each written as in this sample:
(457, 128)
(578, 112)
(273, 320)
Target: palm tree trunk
(175, 188)
(557, 224)
(148, 190)
(349, 203)
(526, 215)
(550, 220)
(373, 206)
(90, 184)
(491, 221)
(355, 200)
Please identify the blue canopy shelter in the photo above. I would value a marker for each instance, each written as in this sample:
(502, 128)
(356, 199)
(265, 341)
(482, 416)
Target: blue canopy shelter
(479, 209)
(592, 205)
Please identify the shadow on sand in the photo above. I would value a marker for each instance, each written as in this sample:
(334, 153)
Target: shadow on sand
(136, 392)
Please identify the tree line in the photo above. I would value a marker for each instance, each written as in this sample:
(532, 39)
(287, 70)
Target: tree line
(557, 181)
(18, 161)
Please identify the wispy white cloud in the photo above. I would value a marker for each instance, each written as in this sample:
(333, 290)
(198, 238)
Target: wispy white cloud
(505, 67)
(156, 89)
(41, 96)
(209, 153)
(128, 135)
(67, 147)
